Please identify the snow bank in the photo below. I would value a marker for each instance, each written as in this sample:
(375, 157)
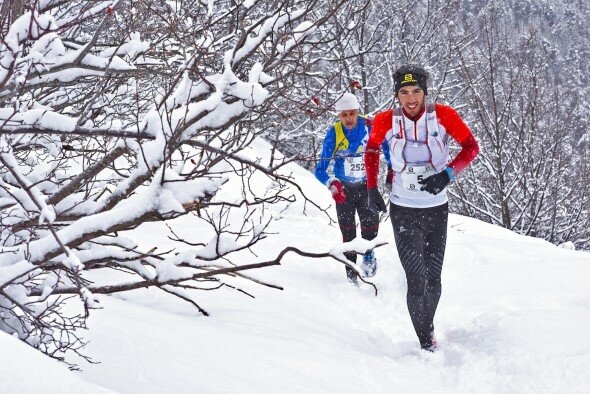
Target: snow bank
(26, 370)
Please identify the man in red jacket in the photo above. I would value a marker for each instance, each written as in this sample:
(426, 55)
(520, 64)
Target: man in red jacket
(417, 134)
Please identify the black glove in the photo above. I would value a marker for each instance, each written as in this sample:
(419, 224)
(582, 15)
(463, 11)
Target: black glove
(434, 184)
(376, 203)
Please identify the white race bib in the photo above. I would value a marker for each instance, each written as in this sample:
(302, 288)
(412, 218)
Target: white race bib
(354, 166)
(412, 174)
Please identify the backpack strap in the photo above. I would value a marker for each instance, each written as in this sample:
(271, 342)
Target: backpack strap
(397, 123)
(341, 140)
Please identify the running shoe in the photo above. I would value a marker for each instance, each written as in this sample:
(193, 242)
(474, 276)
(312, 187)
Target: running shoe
(369, 265)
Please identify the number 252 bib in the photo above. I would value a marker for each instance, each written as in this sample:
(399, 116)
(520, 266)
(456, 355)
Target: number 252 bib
(354, 167)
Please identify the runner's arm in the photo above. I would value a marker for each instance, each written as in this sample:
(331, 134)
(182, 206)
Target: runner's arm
(321, 169)
(457, 129)
(381, 125)
(384, 145)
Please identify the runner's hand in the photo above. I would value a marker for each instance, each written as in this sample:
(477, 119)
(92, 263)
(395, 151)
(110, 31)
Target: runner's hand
(376, 203)
(434, 184)
(337, 191)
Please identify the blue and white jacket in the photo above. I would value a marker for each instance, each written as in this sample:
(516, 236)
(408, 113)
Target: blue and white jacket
(348, 154)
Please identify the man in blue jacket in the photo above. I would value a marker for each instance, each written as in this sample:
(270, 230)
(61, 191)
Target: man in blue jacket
(345, 143)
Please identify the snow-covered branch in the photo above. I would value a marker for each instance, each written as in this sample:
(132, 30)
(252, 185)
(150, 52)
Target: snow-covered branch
(110, 119)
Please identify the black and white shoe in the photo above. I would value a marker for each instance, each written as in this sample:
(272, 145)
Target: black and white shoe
(352, 276)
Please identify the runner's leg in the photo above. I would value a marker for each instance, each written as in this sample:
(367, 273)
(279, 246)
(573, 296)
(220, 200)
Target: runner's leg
(347, 222)
(369, 219)
(435, 244)
(409, 239)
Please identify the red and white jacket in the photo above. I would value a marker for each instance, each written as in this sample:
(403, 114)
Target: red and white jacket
(417, 141)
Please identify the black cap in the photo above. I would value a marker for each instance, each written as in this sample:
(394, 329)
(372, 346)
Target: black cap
(409, 75)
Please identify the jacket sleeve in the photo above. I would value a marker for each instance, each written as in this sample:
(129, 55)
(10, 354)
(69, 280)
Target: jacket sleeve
(457, 129)
(381, 125)
(321, 169)
(385, 147)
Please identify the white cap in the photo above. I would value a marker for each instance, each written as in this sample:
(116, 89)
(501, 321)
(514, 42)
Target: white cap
(347, 102)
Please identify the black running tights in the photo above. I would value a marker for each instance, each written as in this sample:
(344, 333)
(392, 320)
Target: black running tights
(356, 202)
(420, 238)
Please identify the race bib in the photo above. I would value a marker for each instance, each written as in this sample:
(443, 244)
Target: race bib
(354, 167)
(412, 174)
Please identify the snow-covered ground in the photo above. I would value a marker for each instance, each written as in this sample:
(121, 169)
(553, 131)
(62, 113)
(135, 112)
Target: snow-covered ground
(513, 317)
(26, 370)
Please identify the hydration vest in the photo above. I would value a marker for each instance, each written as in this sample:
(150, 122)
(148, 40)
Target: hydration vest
(436, 141)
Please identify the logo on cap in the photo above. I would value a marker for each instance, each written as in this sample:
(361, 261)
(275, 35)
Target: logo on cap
(408, 78)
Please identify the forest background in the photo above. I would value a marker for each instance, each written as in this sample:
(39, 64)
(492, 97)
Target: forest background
(118, 113)
(517, 72)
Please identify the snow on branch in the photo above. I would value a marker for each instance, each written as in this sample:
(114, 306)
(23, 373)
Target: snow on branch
(109, 119)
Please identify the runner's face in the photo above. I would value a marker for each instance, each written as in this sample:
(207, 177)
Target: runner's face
(349, 118)
(411, 99)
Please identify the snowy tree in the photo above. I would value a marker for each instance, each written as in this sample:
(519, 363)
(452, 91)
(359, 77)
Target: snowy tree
(118, 113)
(306, 108)
(515, 70)
(359, 51)
(526, 178)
